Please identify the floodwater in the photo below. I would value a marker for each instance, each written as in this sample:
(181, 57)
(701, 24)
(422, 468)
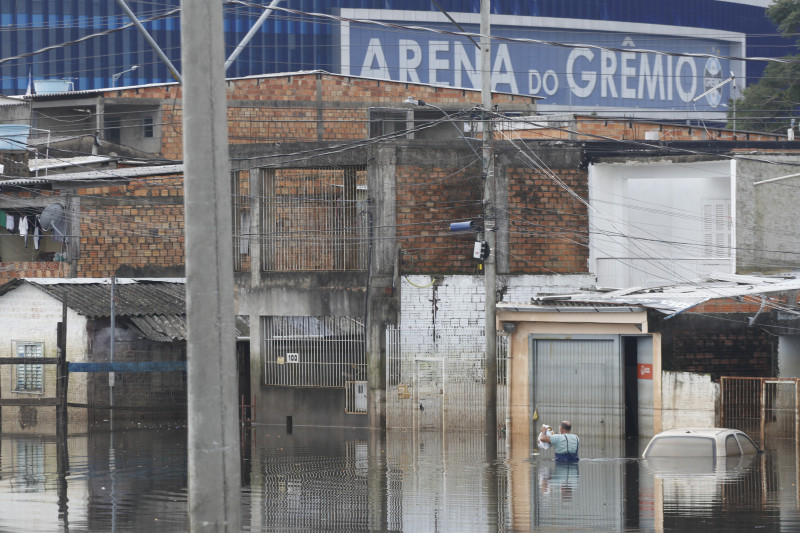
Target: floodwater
(323, 479)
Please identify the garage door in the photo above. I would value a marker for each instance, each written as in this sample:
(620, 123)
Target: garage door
(578, 378)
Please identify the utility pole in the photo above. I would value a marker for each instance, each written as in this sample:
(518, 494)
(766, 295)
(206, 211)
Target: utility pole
(490, 263)
(214, 466)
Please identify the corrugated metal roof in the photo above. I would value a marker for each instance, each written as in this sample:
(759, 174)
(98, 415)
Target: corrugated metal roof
(161, 328)
(668, 299)
(140, 298)
(121, 173)
(42, 164)
(155, 307)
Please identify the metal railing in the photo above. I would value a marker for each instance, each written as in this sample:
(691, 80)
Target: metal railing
(240, 187)
(308, 351)
(761, 407)
(435, 378)
(312, 219)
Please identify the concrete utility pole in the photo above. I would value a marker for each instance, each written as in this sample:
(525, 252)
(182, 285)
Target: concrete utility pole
(490, 264)
(214, 466)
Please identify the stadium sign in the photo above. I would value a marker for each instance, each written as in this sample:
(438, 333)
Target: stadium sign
(597, 70)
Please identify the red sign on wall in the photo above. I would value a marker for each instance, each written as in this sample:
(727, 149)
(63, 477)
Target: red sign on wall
(645, 371)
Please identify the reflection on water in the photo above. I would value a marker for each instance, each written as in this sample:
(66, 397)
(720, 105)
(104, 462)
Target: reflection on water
(351, 480)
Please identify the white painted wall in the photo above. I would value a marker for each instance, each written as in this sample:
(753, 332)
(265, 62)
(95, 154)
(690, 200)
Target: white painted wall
(688, 400)
(457, 301)
(649, 213)
(31, 315)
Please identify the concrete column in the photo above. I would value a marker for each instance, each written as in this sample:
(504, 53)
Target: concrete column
(214, 466)
(383, 307)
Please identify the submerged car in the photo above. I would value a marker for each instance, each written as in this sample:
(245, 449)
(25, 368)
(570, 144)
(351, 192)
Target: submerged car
(700, 442)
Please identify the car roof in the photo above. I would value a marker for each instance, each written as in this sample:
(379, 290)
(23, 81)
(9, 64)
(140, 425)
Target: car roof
(700, 432)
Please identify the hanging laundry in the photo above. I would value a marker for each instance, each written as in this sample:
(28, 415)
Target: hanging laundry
(23, 228)
(37, 232)
(9, 222)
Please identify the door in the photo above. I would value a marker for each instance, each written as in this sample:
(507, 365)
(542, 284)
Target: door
(578, 378)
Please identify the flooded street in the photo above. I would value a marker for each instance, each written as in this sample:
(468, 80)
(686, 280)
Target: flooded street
(345, 480)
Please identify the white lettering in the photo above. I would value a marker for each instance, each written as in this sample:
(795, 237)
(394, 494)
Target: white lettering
(375, 55)
(550, 88)
(608, 67)
(589, 78)
(657, 78)
(461, 61)
(503, 61)
(685, 95)
(669, 79)
(534, 89)
(434, 63)
(626, 72)
(409, 63)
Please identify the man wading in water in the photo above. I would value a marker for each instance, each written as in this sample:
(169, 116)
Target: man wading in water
(565, 444)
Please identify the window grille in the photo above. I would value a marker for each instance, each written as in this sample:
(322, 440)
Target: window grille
(312, 219)
(29, 377)
(240, 187)
(308, 351)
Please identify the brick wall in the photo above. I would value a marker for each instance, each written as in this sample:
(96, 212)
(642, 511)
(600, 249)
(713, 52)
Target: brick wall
(428, 199)
(303, 107)
(137, 225)
(458, 301)
(548, 228)
(588, 128)
(721, 345)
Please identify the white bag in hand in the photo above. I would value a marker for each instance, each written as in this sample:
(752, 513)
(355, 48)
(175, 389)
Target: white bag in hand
(545, 445)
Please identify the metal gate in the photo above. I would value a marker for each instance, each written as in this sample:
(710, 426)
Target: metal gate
(435, 378)
(761, 407)
(578, 378)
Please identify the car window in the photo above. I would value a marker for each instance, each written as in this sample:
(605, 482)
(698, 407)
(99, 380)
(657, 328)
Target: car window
(681, 446)
(748, 447)
(731, 446)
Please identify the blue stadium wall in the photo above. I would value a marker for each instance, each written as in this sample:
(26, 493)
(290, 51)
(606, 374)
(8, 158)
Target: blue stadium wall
(289, 42)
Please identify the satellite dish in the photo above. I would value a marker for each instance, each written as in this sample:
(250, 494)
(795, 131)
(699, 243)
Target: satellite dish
(52, 218)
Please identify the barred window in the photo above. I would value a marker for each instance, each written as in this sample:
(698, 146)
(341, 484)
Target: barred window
(312, 219)
(310, 351)
(29, 377)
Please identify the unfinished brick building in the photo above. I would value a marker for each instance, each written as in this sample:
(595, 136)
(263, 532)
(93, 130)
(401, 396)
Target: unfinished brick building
(342, 198)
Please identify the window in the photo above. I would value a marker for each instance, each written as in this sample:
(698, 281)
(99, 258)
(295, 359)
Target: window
(28, 377)
(113, 130)
(748, 447)
(716, 228)
(147, 127)
(731, 446)
(311, 351)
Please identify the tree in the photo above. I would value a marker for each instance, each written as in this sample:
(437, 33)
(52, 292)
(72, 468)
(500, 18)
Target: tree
(771, 103)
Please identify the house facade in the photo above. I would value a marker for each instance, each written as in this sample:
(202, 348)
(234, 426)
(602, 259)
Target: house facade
(141, 374)
(342, 198)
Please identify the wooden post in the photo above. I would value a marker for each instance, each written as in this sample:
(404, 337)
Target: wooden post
(62, 370)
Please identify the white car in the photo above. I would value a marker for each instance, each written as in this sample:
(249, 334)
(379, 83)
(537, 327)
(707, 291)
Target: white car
(700, 443)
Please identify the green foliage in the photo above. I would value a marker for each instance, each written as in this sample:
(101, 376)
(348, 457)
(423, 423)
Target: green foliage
(769, 104)
(786, 15)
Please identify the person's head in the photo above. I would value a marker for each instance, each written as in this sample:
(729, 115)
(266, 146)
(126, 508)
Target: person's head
(566, 427)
